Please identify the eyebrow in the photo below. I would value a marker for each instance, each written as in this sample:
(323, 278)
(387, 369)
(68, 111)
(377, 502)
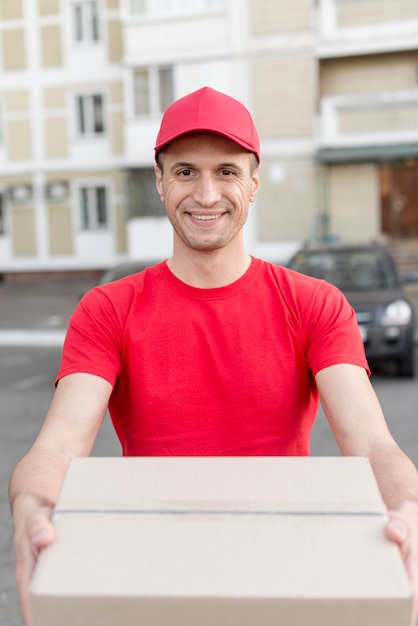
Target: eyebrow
(226, 165)
(180, 164)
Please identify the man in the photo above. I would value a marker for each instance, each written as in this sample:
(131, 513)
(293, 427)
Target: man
(212, 352)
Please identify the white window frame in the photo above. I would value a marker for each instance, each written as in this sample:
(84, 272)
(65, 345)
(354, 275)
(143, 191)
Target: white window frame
(85, 22)
(87, 123)
(157, 101)
(3, 227)
(153, 8)
(88, 214)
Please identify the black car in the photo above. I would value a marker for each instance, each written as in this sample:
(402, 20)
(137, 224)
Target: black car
(121, 270)
(124, 269)
(367, 276)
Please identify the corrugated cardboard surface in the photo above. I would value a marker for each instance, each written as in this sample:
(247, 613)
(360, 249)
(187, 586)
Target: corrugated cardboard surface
(225, 541)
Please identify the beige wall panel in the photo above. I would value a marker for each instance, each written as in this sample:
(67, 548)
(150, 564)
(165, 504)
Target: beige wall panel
(120, 227)
(276, 16)
(117, 132)
(60, 230)
(16, 101)
(11, 9)
(94, 173)
(112, 4)
(354, 202)
(118, 181)
(361, 12)
(19, 141)
(383, 119)
(114, 39)
(23, 229)
(116, 92)
(14, 57)
(56, 137)
(51, 48)
(284, 100)
(371, 74)
(287, 200)
(54, 98)
(48, 7)
(16, 180)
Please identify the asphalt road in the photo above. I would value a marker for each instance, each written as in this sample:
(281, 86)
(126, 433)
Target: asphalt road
(37, 315)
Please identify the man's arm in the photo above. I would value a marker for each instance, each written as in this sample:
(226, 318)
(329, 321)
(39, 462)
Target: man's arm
(355, 416)
(69, 430)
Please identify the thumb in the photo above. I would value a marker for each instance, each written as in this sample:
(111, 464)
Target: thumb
(396, 530)
(41, 529)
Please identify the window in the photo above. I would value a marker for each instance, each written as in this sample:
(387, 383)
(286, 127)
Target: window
(94, 209)
(85, 22)
(160, 7)
(142, 197)
(90, 114)
(153, 90)
(2, 215)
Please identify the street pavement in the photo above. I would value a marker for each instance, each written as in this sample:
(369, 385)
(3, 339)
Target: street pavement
(34, 317)
(38, 313)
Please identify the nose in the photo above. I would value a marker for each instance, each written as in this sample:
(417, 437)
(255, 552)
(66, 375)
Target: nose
(206, 191)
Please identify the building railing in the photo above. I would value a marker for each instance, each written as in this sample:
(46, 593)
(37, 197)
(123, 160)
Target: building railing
(376, 119)
(361, 26)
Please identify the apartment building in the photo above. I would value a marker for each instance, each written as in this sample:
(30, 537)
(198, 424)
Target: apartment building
(61, 136)
(332, 85)
(368, 120)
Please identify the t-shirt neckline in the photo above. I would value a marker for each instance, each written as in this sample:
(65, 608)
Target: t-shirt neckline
(214, 293)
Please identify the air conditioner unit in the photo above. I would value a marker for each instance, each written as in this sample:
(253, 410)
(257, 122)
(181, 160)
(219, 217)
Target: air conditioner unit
(57, 190)
(20, 193)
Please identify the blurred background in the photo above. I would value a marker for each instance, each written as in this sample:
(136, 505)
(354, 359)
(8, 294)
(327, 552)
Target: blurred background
(333, 89)
(332, 86)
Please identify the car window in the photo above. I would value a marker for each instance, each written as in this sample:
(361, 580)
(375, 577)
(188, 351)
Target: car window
(120, 271)
(348, 269)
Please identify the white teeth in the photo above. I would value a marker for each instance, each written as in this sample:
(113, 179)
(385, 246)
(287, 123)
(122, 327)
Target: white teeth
(205, 217)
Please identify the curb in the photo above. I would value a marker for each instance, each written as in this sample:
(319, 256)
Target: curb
(28, 337)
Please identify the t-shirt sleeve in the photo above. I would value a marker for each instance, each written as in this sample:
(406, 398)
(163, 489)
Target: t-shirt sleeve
(333, 335)
(93, 340)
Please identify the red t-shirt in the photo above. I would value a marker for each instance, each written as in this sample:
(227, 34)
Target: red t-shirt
(225, 371)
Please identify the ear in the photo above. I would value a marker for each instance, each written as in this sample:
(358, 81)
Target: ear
(255, 184)
(159, 182)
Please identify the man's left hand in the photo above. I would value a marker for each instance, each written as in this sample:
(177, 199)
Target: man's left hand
(402, 528)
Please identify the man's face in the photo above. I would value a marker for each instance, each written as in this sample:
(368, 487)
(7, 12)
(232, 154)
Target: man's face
(206, 183)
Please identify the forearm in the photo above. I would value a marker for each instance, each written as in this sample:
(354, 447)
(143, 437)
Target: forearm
(396, 475)
(38, 474)
(357, 421)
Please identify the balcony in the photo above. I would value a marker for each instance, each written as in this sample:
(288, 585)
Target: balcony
(358, 27)
(161, 38)
(378, 127)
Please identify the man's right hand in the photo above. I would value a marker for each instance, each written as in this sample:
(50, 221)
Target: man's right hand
(33, 531)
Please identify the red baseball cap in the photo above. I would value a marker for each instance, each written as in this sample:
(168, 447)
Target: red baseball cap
(209, 110)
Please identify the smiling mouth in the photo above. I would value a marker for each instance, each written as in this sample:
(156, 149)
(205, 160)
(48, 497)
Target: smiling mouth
(206, 218)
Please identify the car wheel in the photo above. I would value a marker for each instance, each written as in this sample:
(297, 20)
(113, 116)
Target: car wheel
(406, 365)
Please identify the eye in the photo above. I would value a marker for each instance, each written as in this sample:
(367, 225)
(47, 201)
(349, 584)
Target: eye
(226, 172)
(184, 173)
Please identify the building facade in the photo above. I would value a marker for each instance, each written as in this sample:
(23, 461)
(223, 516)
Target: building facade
(332, 86)
(61, 136)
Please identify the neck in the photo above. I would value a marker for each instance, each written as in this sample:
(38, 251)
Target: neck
(209, 269)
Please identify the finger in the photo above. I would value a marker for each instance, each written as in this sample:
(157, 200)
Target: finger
(397, 530)
(25, 565)
(41, 530)
(25, 607)
(39, 533)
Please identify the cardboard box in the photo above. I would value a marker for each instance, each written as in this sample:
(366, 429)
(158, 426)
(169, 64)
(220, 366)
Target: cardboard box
(220, 542)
